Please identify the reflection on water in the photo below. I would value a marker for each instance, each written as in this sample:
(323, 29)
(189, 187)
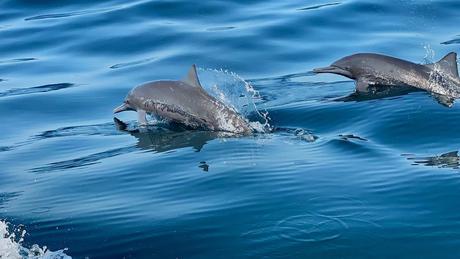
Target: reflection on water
(35, 89)
(378, 92)
(162, 139)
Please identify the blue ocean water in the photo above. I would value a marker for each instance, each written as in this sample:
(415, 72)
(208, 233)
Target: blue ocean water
(375, 178)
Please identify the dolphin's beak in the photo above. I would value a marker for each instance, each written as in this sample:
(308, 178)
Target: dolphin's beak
(333, 70)
(121, 108)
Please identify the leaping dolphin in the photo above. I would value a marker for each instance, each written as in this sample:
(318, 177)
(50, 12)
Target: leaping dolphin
(184, 102)
(371, 70)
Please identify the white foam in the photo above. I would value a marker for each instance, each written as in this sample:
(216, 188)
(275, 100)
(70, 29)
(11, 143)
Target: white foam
(11, 246)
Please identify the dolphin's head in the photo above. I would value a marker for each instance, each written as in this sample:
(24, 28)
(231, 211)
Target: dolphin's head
(129, 104)
(345, 67)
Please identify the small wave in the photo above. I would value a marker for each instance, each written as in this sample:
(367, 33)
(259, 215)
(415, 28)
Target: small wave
(318, 6)
(11, 246)
(35, 89)
(133, 63)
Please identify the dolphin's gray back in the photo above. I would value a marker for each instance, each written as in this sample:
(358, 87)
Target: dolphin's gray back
(389, 70)
(175, 93)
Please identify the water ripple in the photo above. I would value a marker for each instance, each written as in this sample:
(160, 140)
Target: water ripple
(310, 228)
(133, 63)
(83, 161)
(318, 6)
(35, 89)
(222, 28)
(16, 60)
(66, 15)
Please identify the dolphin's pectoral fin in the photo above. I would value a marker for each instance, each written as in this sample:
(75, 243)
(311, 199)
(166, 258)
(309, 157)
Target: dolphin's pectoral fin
(444, 100)
(447, 64)
(141, 117)
(192, 77)
(362, 85)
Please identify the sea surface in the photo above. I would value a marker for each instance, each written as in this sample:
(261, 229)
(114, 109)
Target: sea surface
(329, 177)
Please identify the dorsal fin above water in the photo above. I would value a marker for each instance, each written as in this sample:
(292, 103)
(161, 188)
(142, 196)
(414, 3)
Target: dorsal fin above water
(447, 64)
(192, 77)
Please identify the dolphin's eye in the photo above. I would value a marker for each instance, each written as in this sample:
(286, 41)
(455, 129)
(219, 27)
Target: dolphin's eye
(127, 102)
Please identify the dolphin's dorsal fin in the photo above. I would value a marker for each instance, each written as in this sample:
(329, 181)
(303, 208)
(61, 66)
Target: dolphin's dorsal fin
(447, 64)
(192, 77)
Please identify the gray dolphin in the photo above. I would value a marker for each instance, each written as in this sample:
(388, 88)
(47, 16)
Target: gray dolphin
(184, 102)
(371, 70)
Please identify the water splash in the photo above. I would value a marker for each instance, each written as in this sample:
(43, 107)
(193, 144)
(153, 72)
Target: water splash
(235, 92)
(11, 245)
(429, 54)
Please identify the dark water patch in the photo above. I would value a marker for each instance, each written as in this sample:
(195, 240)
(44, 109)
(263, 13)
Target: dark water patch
(351, 136)
(5, 148)
(16, 60)
(446, 160)
(35, 89)
(133, 63)
(222, 28)
(204, 166)
(83, 161)
(318, 6)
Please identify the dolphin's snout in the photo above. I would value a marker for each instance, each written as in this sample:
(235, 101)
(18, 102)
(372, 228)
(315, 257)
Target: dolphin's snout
(329, 69)
(121, 108)
(333, 70)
